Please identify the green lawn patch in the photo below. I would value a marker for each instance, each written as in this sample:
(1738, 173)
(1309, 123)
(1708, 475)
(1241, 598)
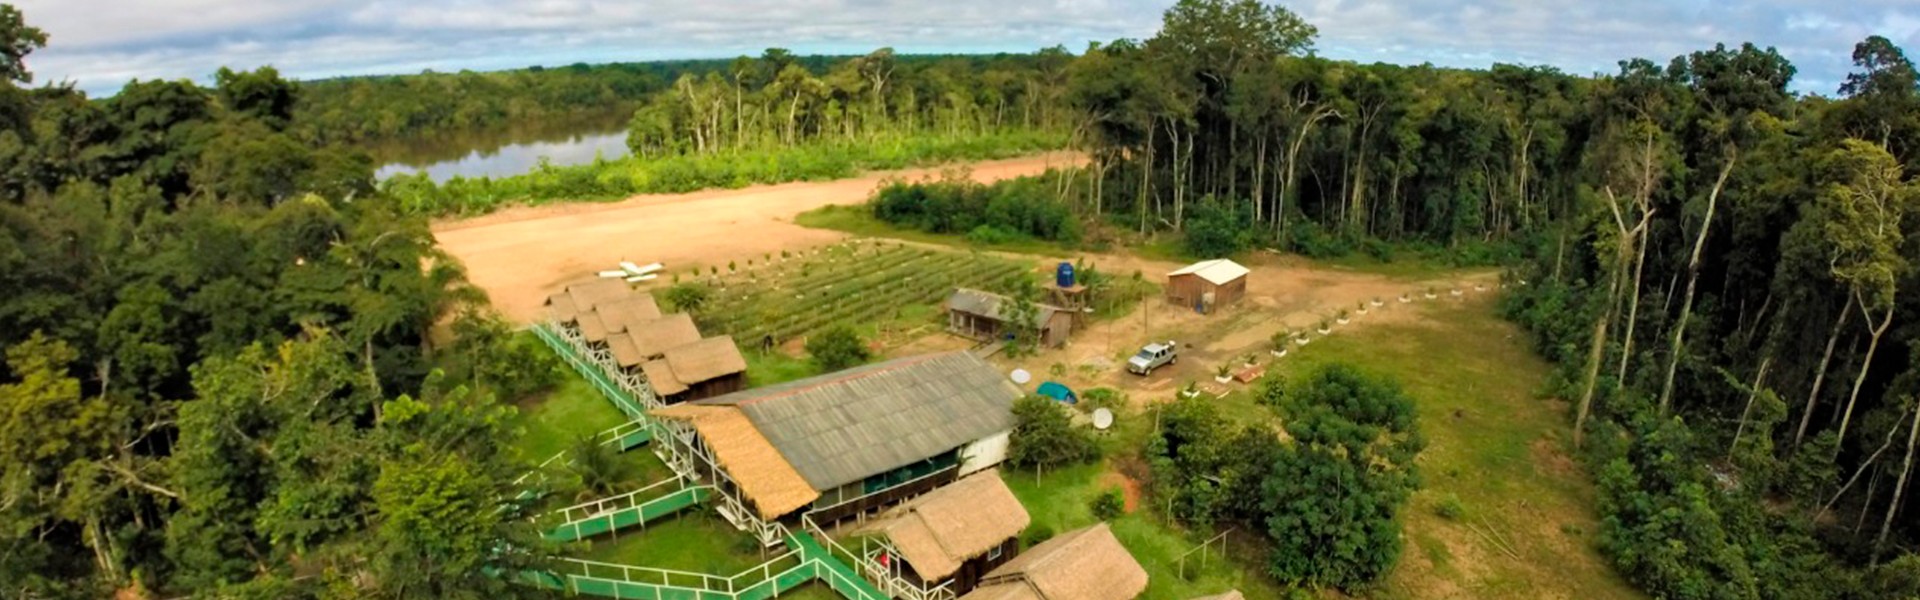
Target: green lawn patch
(553, 421)
(696, 540)
(1058, 500)
(775, 367)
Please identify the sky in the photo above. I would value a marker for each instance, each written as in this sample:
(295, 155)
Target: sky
(100, 44)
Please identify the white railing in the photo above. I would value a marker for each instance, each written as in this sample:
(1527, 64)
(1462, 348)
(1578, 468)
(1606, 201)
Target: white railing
(605, 506)
(682, 580)
(889, 578)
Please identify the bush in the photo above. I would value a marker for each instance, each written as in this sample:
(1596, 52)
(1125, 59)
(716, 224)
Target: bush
(837, 348)
(688, 297)
(1107, 398)
(1217, 228)
(988, 235)
(1005, 211)
(1044, 436)
(1109, 505)
(1450, 508)
(1035, 534)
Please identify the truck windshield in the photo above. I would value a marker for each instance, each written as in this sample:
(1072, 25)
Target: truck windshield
(1144, 355)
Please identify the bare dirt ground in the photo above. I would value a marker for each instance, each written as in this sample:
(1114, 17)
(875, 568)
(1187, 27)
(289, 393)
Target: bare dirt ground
(1282, 293)
(522, 254)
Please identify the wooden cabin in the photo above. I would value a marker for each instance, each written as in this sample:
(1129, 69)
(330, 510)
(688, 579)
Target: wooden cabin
(1083, 564)
(1205, 285)
(952, 536)
(703, 369)
(984, 316)
(860, 439)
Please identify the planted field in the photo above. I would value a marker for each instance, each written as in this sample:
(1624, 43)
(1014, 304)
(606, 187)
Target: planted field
(846, 284)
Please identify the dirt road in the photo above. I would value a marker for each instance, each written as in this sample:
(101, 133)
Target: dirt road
(520, 255)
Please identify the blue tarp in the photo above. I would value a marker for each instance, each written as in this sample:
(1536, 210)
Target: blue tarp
(1059, 392)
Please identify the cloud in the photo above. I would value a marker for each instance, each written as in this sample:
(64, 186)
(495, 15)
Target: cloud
(100, 44)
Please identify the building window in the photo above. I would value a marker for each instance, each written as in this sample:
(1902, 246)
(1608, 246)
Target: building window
(994, 554)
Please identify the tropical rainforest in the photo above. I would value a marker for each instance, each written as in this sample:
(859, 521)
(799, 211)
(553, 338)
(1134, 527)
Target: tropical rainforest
(238, 367)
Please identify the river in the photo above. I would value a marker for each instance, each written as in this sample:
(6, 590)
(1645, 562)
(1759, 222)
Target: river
(503, 151)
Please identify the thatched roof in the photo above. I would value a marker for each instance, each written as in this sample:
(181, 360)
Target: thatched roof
(1218, 271)
(693, 363)
(588, 295)
(591, 327)
(561, 307)
(764, 476)
(654, 338)
(994, 306)
(1229, 595)
(938, 532)
(621, 314)
(1084, 564)
(844, 427)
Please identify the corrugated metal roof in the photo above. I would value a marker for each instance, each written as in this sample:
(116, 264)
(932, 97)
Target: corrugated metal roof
(843, 427)
(1218, 271)
(989, 305)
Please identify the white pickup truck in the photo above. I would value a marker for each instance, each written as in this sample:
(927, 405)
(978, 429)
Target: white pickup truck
(1152, 356)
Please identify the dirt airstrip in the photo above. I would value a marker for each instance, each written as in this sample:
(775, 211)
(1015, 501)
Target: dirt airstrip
(522, 254)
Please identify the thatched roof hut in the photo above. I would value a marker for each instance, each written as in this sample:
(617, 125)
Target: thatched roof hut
(843, 427)
(583, 297)
(681, 368)
(1084, 564)
(652, 339)
(762, 473)
(942, 530)
(621, 314)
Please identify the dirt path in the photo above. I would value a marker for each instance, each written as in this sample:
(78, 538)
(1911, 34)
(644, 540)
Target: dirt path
(1282, 292)
(522, 254)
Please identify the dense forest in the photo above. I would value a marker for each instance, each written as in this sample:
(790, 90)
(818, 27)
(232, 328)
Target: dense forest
(1723, 269)
(237, 367)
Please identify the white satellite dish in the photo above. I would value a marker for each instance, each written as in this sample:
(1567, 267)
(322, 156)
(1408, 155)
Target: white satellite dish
(635, 273)
(1021, 376)
(1102, 418)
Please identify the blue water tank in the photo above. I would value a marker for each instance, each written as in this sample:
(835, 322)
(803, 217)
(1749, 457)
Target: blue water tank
(1064, 275)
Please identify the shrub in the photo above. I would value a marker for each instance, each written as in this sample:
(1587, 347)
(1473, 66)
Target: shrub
(1035, 534)
(1043, 436)
(1450, 508)
(1109, 505)
(688, 297)
(837, 348)
(1217, 228)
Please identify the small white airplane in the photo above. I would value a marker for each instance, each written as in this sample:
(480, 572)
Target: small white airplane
(634, 273)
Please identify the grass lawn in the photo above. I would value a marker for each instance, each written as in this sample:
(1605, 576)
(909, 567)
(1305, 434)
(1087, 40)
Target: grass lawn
(857, 220)
(1528, 525)
(1059, 501)
(554, 421)
(696, 540)
(769, 368)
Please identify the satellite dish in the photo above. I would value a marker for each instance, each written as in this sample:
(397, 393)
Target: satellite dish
(1102, 418)
(1021, 376)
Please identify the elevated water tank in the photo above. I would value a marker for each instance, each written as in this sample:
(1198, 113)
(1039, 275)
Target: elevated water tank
(1063, 275)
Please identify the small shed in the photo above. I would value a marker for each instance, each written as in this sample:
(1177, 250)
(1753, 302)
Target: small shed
(703, 369)
(984, 315)
(650, 340)
(580, 298)
(1207, 284)
(956, 534)
(1084, 564)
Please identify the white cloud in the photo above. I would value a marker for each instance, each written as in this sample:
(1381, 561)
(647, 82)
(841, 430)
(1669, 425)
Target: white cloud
(102, 43)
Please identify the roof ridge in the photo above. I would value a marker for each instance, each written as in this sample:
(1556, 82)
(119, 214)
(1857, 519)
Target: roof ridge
(830, 380)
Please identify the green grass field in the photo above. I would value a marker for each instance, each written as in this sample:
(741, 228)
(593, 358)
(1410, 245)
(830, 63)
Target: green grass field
(552, 422)
(1527, 528)
(1059, 500)
(696, 540)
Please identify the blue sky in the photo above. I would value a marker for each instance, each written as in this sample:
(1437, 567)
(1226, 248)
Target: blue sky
(100, 44)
